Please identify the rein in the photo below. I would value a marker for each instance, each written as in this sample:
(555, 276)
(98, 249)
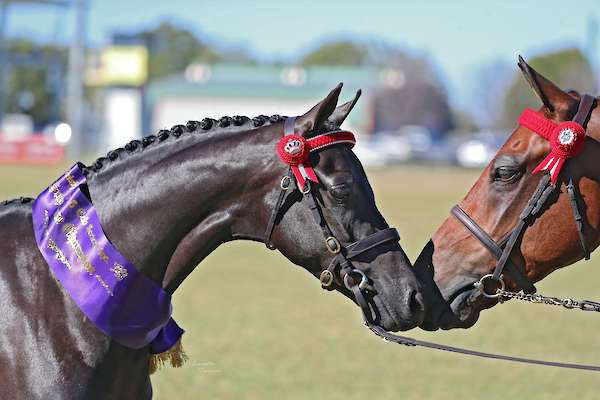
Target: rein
(407, 341)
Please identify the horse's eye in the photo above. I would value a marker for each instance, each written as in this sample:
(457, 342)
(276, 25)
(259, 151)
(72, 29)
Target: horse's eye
(340, 192)
(506, 174)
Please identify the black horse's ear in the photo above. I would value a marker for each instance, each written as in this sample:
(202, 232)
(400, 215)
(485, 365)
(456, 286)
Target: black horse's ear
(316, 117)
(553, 97)
(341, 113)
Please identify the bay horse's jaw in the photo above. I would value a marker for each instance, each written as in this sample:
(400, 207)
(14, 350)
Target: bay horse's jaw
(456, 305)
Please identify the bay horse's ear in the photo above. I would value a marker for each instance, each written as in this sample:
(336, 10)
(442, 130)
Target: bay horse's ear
(553, 97)
(316, 117)
(341, 113)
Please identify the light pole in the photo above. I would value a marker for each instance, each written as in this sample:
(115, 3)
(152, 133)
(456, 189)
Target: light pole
(3, 47)
(75, 79)
(3, 56)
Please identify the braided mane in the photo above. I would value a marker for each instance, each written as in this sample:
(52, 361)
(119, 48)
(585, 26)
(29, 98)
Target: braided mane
(191, 127)
(207, 124)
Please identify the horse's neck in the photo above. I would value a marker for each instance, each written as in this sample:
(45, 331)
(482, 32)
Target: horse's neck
(168, 207)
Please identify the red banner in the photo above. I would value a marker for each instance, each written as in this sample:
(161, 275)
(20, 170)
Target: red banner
(33, 150)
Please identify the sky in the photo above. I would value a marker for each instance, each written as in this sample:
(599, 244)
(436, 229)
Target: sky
(458, 36)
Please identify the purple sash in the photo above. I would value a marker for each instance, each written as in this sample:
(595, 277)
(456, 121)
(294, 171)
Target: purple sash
(125, 304)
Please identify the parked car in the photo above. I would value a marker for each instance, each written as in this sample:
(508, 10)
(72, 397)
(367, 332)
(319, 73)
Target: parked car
(477, 149)
(410, 143)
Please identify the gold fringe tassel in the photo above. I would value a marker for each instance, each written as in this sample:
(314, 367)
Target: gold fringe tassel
(175, 356)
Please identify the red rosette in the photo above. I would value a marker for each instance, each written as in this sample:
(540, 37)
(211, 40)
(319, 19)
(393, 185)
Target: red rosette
(293, 150)
(567, 139)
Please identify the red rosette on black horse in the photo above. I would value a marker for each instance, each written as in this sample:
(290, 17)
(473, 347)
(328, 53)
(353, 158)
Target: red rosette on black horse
(295, 151)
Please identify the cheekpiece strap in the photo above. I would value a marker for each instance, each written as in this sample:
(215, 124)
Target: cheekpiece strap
(289, 126)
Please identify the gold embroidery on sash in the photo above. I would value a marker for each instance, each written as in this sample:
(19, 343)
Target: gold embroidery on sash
(71, 233)
(59, 199)
(73, 203)
(58, 218)
(46, 220)
(71, 181)
(95, 245)
(83, 218)
(60, 256)
(104, 284)
(119, 271)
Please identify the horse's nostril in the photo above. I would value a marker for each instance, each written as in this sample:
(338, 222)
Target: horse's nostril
(416, 305)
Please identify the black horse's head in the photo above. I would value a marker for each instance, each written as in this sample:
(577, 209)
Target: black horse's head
(185, 192)
(346, 208)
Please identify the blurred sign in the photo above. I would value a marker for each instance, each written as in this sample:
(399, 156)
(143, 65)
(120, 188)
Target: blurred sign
(122, 116)
(119, 65)
(16, 126)
(34, 149)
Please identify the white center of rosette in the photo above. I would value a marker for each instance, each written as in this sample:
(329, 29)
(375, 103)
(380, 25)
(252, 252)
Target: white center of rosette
(293, 147)
(566, 136)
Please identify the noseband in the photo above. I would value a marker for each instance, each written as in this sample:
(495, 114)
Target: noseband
(503, 249)
(295, 151)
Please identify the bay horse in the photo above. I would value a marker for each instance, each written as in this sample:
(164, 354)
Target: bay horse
(166, 203)
(514, 227)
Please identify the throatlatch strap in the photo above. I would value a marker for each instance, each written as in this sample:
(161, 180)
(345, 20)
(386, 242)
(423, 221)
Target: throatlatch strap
(578, 218)
(275, 213)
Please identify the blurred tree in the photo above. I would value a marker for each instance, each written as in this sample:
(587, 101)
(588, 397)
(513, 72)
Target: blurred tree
(569, 69)
(419, 102)
(35, 80)
(409, 92)
(172, 49)
(337, 53)
(463, 121)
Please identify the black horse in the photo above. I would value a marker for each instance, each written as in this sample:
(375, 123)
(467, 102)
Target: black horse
(167, 202)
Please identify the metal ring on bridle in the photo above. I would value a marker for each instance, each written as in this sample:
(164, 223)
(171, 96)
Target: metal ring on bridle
(326, 278)
(364, 281)
(333, 245)
(306, 188)
(481, 286)
(285, 182)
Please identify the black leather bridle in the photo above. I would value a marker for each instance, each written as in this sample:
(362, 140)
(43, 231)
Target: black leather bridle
(340, 269)
(503, 249)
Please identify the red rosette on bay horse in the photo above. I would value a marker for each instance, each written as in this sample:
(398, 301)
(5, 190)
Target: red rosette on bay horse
(566, 140)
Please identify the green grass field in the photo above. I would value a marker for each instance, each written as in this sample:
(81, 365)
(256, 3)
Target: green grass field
(259, 327)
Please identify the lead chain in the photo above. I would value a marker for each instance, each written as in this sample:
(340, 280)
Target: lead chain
(584, 305)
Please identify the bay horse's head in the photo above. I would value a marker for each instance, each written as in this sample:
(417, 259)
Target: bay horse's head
(514, 224)
(332, 226)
